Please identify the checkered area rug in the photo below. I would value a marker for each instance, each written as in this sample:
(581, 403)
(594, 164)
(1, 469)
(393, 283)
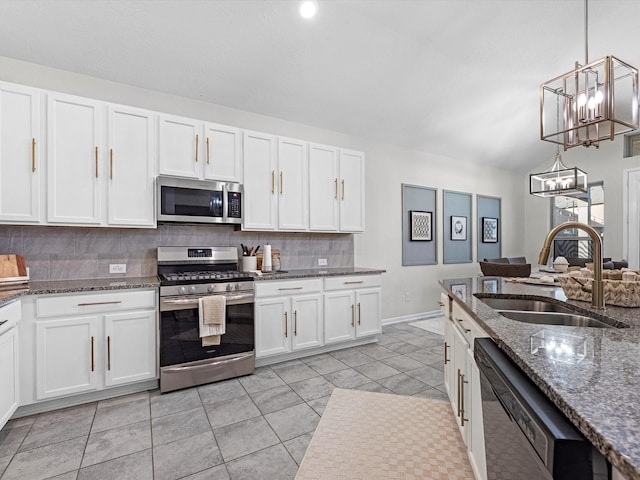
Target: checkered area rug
(364, 435)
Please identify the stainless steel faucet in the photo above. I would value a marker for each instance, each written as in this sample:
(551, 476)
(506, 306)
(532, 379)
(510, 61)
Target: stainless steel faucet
(597, 289)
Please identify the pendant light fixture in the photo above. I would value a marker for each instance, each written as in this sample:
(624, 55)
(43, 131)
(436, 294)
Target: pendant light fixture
(599, 99)
(559, 179)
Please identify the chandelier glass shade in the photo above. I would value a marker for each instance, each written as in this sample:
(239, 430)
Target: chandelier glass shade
(599, 100)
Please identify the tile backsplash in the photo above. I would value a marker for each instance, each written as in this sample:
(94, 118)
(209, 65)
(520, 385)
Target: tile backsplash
(65, 253)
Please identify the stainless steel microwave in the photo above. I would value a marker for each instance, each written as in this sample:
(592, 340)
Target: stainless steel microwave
(198, 201)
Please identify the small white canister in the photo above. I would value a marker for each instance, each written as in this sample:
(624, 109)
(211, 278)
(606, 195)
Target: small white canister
(267, 266)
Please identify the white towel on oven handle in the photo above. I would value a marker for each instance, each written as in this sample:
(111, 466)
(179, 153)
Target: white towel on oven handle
(211, 315)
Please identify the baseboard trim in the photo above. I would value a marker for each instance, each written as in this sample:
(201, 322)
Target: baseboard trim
(414, 317)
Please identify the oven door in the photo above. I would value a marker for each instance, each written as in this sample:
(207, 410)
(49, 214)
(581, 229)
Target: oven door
(180, 340)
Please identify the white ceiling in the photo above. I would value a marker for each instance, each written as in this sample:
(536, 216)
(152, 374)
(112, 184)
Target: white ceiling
(453, 77)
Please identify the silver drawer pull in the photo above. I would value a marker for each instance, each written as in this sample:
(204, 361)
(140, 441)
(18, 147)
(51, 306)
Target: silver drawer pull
(99, 303)
(291, 288)
(466, 330)
(2, 322)
(353, 283)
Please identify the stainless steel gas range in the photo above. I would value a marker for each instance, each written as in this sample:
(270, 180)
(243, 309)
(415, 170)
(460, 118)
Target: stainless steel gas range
(186, 274)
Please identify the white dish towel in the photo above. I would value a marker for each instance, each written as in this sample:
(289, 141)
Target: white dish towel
(212, 311)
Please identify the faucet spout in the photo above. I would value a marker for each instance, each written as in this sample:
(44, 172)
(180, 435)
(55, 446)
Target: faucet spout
(597, 289)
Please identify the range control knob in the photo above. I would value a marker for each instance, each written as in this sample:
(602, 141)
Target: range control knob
(237, 286)
(212, 288)
(182, 290)
(229, 287)
(192, 289)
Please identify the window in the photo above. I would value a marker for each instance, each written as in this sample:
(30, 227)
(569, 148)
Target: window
(586, 208)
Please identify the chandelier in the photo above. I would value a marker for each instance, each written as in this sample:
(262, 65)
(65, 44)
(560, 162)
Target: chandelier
(599, 100)
(559, 179)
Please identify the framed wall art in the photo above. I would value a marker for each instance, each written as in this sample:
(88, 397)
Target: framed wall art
(421, 228)
(460, 291)
(458, 227)
(489, 230)
(419, 225)
(489, 227)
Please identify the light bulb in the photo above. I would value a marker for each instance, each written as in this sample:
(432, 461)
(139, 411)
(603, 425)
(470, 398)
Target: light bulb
(591, 104)
(308, 8)
(599, 96)
(582, 100)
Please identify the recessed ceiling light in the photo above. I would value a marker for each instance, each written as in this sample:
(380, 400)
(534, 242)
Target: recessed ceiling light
(308, 8)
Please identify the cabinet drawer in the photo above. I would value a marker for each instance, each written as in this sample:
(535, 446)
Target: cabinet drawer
(56, 305)
(349, 283)
(467, 326)
(287, 287)
(10, 315)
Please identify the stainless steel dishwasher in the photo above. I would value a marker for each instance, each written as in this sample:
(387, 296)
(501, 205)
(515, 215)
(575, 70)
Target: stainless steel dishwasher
(526, 435)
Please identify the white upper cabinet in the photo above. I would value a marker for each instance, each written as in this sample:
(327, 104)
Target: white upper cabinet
(222, 153)
(20, 159)
(293, 179)
(351, 191)
(260, 195)
(75, 159)
(131, 167)
(179, 146)
(336, 189)
(323, 188)
(195, 149)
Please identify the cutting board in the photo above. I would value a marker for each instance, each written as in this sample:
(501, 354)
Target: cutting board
(12, 266)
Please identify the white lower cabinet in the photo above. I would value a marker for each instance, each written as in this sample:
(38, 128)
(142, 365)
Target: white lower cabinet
(87, 342)
(9, 388)
(289, 316)
(462, 381)
(352, 307)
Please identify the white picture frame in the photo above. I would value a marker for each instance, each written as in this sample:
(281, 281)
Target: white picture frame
(458, 227)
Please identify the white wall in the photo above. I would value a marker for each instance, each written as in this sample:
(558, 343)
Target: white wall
(387, 167)
(601, 164)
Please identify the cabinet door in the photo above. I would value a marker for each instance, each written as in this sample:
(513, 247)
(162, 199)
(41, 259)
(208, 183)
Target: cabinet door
(272, 326)
(475, 446)
(131, 168)
(8, 374)
(179, 146)
(462, 384)
(323, 188)
(449, 370)
(340, 316)
(222, 159)
(293, 180)
(75, 159)
(351, 191)
(20, 162)
(130, 347)
(368, 305)
(306, 311)
(67, 353)
(259, 167)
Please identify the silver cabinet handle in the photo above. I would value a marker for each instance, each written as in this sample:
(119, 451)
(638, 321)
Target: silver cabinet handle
(446, 360)
(99, 303)
(2, 322)
(466, 330)
(291, 288)
(354, 283)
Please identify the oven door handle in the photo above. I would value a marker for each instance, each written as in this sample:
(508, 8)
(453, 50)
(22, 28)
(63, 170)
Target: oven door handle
(176, 303)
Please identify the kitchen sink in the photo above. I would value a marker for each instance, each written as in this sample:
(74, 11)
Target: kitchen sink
(553, 318)
(525, 305)
(541, 312)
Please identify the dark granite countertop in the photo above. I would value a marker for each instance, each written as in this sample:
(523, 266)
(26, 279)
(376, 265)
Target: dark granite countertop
(75, 286)
(601, 393)
(318, 272)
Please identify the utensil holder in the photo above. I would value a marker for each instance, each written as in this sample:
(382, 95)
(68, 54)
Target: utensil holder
(249, 263)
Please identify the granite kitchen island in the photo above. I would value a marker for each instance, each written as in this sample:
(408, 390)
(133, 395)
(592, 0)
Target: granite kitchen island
(600, 394)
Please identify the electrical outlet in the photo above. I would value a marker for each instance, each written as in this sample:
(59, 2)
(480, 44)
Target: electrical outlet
(407, 296)
(322, 262)
(117, 268)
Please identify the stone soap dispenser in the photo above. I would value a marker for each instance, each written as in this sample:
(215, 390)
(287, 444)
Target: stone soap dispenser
(267, 266)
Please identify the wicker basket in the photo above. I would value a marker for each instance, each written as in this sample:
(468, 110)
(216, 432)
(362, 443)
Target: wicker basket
(622, 293)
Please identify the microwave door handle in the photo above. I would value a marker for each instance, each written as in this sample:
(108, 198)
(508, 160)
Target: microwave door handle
(225, 203)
